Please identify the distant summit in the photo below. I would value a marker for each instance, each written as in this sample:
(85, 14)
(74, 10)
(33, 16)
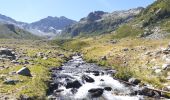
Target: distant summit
(50, 26)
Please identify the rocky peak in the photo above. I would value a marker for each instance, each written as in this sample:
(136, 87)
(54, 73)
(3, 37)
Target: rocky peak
(95, 15)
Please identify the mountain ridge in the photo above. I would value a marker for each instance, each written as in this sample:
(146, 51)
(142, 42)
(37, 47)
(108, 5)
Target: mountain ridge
(99, 22)
(49, 26)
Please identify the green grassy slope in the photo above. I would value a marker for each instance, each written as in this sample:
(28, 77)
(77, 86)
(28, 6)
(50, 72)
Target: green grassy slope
(8, 31)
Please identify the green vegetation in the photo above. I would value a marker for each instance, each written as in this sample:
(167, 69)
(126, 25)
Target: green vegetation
(155, 13)
(127, 31)
(131, 63)
(13, 32)
(36, 86)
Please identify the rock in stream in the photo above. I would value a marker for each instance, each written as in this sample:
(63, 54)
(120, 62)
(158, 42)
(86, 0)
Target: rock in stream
(78, 80)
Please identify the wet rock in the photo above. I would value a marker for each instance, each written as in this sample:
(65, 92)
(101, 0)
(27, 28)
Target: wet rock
(58, 90)
(60, 68)
(51, 97)
(53, 86)
(111, 72)
(74, 84)
(74, 91)
(108, 88)
(147, 92)
(56, 68)
(96, 92)
(24, 71)
(134, 81)
(87, 79)
(11, 81)
(96, 73)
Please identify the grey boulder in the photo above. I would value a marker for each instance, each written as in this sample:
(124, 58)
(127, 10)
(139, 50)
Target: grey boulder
(24, 71)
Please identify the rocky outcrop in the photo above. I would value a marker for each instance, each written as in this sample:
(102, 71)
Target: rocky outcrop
(101, 22)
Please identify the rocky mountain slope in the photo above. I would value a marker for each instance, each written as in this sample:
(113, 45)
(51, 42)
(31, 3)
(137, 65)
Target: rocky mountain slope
(10, 31)
(99, 22)
(49, 26)
(151, 23)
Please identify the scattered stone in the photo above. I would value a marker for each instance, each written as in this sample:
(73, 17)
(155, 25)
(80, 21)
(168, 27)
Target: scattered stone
(74, 91)
(51, 97)
(74, 84)
(59, 68)
(134, 81)
(11, 81)
(12, 73)
(156, 67)
(104, 58)
(158, 71)
(53, 86)
(113, 41)
(2, 67)
(167, 50)
(87, 79)
(108, 88)
(166, 67)
(14, 62)
(7, 53)
(125, 49)
(45, 58)
(25, 97)
(111, 72)
(96, 73)
(96, 92)
(147, 92)
(26, 62)
(61, 55)
(167, 88)
(148, 53)
(168, 78)
(24, 71)
(58, 90)
(40, 54)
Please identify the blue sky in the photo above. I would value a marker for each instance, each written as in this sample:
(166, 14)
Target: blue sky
(33, 10)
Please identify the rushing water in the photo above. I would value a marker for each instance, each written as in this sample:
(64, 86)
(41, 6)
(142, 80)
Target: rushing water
(78, 80)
